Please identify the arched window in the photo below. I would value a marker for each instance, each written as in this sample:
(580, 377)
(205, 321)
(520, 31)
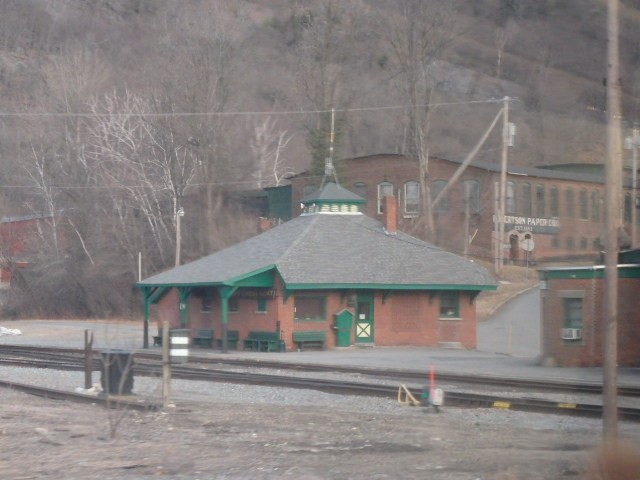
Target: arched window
(627, 208)
(569, 203)
(553, 201)
(526, 199)
(385, 189)
(511, 198)
(583, 204)
(595, 206)
(471, 196)
(411, 198)
(540, 201)
(360, 189)
(436, 187)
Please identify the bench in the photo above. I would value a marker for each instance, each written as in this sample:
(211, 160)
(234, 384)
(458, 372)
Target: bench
(204, 338)
(157, 339)
(232, 340)
(262, 342)
(309, 338)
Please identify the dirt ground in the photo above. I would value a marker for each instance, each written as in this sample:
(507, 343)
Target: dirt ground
(54, 439)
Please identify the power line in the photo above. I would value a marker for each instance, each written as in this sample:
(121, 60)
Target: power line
(239, 113)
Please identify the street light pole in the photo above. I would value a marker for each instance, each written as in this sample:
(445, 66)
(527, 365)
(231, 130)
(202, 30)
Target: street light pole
(179, 215)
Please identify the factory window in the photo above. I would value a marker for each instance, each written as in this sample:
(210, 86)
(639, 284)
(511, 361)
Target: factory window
(385, 189)
(511, 198)
(569, 207)
(471, 196)
(595, 206)
(436, 187)
(526, 199)
(411, 198)
(553, 201)
(570, 243)
(309, 308)
(583, 243)
(360, 189)
(555, 241)
(627, 208)
(583, 204)
(449, 305)
(540, 201)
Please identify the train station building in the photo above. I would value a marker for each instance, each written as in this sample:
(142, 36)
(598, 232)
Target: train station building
(331, 277)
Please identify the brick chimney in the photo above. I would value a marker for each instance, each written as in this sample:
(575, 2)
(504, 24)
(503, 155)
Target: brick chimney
(390, 214)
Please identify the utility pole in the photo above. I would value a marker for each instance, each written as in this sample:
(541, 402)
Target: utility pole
(612, 225)
(503, 180)
(179, 215)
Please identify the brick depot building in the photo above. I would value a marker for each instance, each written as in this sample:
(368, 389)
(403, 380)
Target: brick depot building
(572, 316)
(559, 208)
(332, 270)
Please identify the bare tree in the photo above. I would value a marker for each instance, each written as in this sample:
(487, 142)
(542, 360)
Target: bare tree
(418, 34)
(268, 145)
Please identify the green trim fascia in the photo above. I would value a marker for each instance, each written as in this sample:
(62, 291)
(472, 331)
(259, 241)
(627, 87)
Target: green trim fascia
(262, 277)
(630, 271)
(383, 286)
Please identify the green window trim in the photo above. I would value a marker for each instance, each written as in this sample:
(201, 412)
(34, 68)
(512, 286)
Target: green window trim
(450, 305)
(261, 306)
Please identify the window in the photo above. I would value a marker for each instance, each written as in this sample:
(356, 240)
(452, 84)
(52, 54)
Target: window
(207, 301)
(385, 189)
(234, 304)
(511, 198)
(360, 189)
(540, 203)
(595, 206)
(583, 204)
(436, 187)
(411, 198)
(572, 312)
(570, 244)
(471, 196)
(583, 243)
(526, 200)
(555, 241)
(309, 308)
(262, 305)
(553, 201)
(569, 208)
(627, 208)
(449, 305)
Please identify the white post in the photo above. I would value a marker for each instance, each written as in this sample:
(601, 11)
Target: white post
(179, 215)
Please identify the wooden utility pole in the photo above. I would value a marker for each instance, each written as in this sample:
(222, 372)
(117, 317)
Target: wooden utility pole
(612, 224)
(179, 215)
(503, 180)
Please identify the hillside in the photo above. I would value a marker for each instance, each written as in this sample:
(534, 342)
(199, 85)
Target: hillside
(119, 112)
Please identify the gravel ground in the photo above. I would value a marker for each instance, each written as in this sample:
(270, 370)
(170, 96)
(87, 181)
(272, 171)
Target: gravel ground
(228, 431)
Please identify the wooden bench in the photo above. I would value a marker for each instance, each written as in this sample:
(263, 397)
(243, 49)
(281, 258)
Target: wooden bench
(262, 342)
(232, 340)
(204, 338)
(309, 338)
(157, 339)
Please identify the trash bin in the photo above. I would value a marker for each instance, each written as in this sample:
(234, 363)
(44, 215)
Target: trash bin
(117, 372)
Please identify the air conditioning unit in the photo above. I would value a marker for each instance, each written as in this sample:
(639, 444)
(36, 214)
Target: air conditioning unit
(571, 333)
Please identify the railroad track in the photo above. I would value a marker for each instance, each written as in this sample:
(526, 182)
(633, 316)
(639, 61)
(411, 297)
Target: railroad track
(148, 365)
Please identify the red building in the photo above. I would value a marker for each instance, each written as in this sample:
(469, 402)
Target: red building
(333, 275)
(573, 311)
(559, 209)
(16, 233)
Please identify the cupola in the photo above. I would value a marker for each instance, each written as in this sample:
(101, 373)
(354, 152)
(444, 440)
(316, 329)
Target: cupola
(331, 198)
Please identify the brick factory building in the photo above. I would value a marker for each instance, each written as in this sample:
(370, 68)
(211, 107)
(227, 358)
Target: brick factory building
(559, 208)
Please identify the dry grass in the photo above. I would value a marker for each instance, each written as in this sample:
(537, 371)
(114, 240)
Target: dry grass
(512, 281)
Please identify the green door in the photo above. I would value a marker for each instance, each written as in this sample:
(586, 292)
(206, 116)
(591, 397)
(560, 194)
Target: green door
(364, 318)
(343, 327)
